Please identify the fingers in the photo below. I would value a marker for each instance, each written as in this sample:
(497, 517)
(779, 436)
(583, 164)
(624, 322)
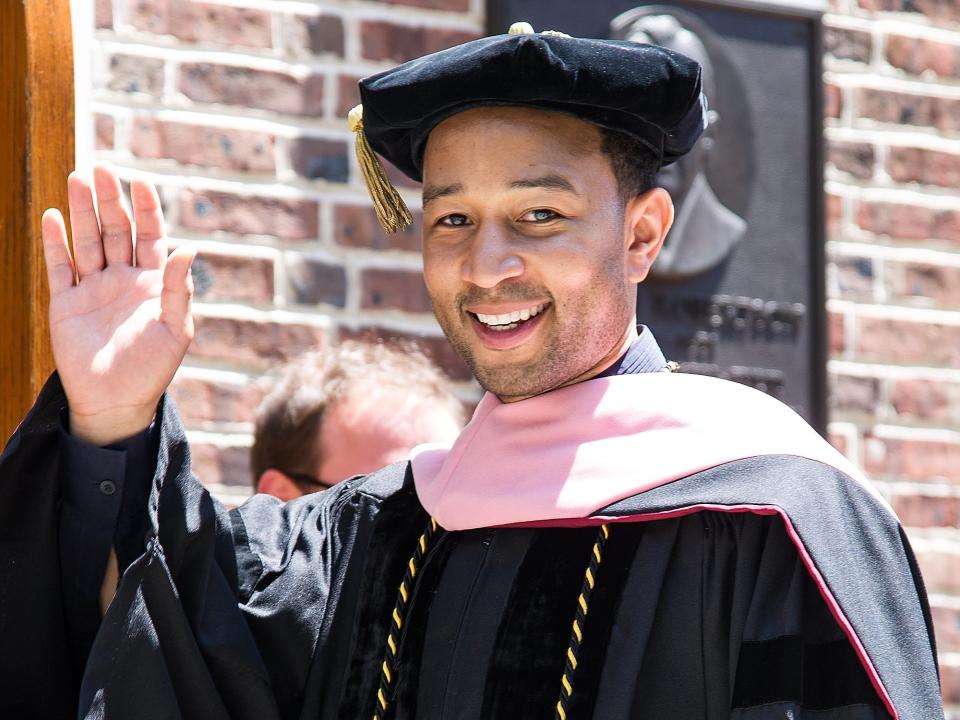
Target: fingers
(55, 252)
(114, 220)
(148, 218)
(87, 247)
(177, 291)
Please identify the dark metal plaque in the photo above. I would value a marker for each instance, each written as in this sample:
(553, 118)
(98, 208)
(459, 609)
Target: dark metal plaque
(738, 290)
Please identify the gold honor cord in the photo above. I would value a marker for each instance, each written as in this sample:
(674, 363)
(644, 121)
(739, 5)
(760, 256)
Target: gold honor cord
(579, 618)
(399, 616)
(583, 604)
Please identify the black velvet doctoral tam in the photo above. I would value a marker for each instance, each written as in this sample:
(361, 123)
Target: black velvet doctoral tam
(646, 91)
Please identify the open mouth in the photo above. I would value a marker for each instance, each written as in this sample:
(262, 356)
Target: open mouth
(505, 331)
(510, 321)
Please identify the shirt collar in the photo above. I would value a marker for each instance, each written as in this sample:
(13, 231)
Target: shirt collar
(643, 356)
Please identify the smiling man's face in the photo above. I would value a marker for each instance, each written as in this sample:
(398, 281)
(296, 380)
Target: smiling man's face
(530, 255)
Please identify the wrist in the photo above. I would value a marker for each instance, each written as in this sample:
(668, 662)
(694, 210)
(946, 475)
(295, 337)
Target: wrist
(110, 426)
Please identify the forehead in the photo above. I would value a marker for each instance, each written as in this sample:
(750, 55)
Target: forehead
(509, 130)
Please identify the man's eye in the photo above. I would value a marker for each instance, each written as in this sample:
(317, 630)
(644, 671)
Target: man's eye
(540, 215)
(455, 220)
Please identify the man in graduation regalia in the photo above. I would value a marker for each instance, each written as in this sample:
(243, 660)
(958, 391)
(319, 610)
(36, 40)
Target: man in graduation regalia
(604, 540)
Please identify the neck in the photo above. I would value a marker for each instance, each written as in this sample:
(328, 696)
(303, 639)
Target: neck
(627, 338)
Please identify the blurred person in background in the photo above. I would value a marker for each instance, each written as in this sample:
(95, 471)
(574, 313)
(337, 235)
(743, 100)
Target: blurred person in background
(348, 411)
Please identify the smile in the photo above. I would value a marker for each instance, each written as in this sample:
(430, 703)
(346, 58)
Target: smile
(510, 321)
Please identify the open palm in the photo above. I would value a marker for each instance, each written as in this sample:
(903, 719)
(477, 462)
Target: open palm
(120, 318)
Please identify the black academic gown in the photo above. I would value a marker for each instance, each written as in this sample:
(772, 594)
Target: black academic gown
(282, 610)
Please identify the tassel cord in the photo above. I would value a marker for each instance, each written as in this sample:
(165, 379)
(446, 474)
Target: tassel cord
(398, 618)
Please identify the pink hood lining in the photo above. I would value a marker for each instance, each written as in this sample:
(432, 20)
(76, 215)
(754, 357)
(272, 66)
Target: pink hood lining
(556, 459)
(572, 451)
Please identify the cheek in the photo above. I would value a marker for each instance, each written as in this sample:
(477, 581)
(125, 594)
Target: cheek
(440, 270)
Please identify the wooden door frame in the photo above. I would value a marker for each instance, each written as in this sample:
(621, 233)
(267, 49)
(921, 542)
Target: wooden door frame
(37, 152)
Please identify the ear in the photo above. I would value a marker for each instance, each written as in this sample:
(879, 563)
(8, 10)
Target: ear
(279, 484)
(647, 218)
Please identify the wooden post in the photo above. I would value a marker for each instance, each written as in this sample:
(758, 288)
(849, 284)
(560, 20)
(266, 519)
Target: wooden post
(36, 153)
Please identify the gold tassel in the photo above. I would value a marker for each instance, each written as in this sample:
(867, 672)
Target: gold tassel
(525, 28)
(520, 28)
(392, 211)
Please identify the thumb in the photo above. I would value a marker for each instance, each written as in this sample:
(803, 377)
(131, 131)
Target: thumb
(178, 291)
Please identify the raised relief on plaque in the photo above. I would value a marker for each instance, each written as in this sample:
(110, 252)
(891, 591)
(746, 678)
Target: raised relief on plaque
(705, 229)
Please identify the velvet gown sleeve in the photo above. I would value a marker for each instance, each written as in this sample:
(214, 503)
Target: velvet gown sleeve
(37, 674)
(221, 616)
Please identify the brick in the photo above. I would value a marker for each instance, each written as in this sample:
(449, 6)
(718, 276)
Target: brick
(920, 55)
(854, 277)
(348, 94)
(833, 101)
(394, 290)
(938, 283)
(206, 211)
(950, 685)
(314, 35)
(929, 167)
(383, 40)
(912, 460)
(901, 341)
(855, 159)
(203, 401)
(357, 226)
(314, 281)
(434, 347)
(449, 5)
(135, 74)
(103, 132)
(839, 442)
(941, 572)
(152, 16)
(926, 511)
(319, 159)
(226, 148)
(834, 212)
(940, 11)
(233, 278)
(854, 394)
(836, 333)
(847, 44)
(909, 109)
(946, 622)
(103, 14)
(252, 344)
(266, 90)
(202, 22)
(932, 401)
(909, 222)
(216, 465)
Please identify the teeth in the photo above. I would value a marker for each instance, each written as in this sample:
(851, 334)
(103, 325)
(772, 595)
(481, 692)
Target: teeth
(508, 321)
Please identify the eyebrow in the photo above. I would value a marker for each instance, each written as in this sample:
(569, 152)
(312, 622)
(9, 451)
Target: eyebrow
(550, 182)
(434, 192)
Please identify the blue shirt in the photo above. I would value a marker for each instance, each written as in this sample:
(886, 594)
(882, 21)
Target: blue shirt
(105, 491)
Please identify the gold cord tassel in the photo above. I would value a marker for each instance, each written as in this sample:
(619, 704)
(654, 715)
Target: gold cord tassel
(392, 211)
(525, 28)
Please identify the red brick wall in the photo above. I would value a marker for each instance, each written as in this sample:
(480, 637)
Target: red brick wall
(893, 174)
(236, 109)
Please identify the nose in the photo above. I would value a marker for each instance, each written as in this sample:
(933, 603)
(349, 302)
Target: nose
(492, 257)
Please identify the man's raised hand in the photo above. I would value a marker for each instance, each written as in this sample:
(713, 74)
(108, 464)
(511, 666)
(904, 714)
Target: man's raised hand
(120, 317)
